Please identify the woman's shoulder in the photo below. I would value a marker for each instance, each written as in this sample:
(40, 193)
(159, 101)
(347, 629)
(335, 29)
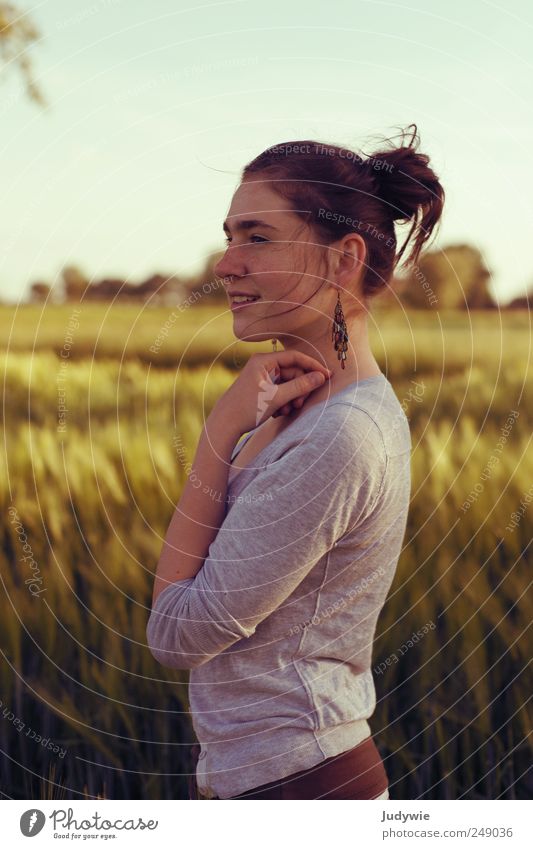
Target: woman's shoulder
(376, 413)
(329, 441)
(350, 423)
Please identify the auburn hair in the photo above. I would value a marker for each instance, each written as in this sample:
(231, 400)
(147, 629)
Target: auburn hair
(336, 191)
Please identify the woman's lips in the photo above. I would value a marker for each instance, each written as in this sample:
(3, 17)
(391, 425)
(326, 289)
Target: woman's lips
(241, 304)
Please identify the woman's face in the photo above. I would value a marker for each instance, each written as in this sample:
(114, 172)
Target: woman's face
(273, 255)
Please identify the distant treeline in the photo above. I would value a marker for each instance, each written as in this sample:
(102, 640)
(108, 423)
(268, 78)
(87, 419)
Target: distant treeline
(455, 277)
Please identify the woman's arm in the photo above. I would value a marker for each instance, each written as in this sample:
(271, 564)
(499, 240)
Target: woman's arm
(200, 512)
(201, 508)
(287, 517)
(249, 401)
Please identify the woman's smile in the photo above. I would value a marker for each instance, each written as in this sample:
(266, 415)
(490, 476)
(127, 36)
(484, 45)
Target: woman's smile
(238, 302)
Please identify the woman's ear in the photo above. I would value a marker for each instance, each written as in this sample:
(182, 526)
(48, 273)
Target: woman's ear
(349, 264)
(352, 254)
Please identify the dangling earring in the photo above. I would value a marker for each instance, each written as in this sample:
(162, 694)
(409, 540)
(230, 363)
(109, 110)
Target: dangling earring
(339, 331)
(274, 345)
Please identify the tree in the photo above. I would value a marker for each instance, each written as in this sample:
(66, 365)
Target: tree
(455, 277)
(17, 32)
(39, 292)
(161, 289)
(522, 302)
(74, 283)
(206, 285)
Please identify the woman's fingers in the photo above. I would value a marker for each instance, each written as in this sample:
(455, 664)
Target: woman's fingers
(291, 372)
(292, 358)
(296, 403)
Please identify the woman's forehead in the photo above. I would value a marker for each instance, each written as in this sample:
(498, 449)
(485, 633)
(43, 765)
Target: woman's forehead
(259, 195)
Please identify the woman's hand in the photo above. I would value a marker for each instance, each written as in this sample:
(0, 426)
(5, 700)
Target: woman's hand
(270, 384)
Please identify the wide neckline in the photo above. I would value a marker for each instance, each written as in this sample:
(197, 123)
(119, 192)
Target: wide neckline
(320, 404)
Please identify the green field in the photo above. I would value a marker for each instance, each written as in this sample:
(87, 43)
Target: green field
(92, 494)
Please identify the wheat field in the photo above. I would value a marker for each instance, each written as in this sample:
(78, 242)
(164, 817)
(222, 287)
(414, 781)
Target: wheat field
(90, 475)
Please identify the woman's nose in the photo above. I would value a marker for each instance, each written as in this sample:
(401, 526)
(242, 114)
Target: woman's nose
(230, 264)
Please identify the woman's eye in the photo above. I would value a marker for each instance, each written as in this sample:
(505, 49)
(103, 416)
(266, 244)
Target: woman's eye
(255, 236)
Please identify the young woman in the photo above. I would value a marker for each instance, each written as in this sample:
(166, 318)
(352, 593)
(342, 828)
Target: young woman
(282, 549)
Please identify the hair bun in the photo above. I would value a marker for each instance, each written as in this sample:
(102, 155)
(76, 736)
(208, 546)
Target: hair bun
(335, 190)
(408, 186)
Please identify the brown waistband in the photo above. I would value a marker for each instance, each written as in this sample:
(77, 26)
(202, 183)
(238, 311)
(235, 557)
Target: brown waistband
(355, 774)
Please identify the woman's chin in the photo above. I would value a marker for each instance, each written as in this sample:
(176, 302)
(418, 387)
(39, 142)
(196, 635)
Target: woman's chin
(250, 336)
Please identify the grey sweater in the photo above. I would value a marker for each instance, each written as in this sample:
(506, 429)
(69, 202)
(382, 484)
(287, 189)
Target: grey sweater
(277, 626)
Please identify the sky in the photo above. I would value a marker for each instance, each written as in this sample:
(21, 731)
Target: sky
(155, 107)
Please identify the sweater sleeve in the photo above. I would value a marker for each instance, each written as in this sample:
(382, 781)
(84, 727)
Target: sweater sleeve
(281, 524)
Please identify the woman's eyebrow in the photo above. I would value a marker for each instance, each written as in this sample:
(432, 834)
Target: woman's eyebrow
(248, 224)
